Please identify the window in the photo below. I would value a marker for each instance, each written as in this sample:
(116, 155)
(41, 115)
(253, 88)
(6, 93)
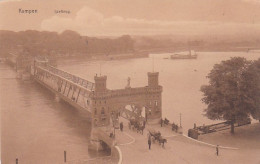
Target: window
(95, 111)
(103, 110)
(156, 103)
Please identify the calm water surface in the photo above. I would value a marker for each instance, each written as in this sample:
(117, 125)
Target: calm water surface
(181, 79)
(37, 129)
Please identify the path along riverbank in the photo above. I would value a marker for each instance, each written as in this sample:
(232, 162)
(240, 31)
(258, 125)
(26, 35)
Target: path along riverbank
(180, 149)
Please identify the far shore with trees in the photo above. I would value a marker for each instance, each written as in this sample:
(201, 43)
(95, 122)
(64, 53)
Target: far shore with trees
(233, 92)
(67, 43)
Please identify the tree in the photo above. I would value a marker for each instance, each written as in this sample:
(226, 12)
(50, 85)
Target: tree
(251, 84)
(226, 95)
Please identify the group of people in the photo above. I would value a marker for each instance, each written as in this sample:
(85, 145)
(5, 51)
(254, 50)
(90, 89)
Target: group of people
(137, 125)
(175, 127)
(150, 137)
(150, 143)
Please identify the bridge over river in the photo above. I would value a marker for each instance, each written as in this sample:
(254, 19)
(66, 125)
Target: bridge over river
(103, 105)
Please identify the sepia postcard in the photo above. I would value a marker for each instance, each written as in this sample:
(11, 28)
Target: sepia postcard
(130, 81)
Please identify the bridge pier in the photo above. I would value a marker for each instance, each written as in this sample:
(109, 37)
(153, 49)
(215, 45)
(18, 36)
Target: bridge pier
(99, 135)
(94, 141)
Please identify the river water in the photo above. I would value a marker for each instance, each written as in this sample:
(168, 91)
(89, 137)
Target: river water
(37, 129)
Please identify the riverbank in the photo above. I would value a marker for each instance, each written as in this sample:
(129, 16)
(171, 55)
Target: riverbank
(180, 149)
(103, 56)
(245, 137)
(200, 49)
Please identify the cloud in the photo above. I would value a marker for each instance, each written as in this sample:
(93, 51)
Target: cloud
(86, 20)
(91, 22)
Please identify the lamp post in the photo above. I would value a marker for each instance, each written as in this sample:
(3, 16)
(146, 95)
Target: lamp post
(113, 119)
(114, 131)
(180, 130)
(180, 119)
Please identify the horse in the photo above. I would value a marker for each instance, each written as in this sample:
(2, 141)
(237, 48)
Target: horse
(132, 124)
(140, 129)
(162, 140)
(166, 121)
(155, 135)
(132, 121)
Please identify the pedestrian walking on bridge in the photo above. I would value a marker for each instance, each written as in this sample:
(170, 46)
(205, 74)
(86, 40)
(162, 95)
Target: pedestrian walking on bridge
(149, 140)
(121, 126)
(149, 143)
(217, 150)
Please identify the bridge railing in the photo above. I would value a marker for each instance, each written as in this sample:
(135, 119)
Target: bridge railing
(75, 79)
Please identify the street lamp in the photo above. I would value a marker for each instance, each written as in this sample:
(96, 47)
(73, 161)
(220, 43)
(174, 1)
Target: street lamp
(113, 119)
(180, 119)
(114, 130)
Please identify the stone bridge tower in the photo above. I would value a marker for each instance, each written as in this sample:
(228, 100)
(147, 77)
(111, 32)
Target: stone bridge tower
(153, 109)
(100, 106)
(99, 113)
(106, 103)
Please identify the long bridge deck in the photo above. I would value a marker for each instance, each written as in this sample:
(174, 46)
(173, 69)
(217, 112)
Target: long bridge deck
(78, 81)
(72, 89)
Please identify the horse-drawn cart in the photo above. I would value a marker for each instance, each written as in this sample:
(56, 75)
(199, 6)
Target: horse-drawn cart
(136, 125)
(156, 136)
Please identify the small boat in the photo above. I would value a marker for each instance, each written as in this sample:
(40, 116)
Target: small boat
(191, 55)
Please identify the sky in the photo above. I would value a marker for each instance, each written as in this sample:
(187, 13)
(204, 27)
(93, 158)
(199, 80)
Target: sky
(134, 17)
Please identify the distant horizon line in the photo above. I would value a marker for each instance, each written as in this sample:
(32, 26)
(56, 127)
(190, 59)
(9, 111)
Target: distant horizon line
(118, 35)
